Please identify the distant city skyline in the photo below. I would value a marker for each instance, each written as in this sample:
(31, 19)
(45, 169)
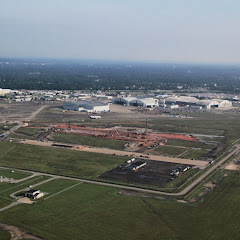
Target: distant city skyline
(131, 30)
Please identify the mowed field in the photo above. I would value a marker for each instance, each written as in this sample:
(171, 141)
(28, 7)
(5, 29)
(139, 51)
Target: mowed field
(57, 161)
(4, 235)
(92, 212)
(16, 175)
(90, 141)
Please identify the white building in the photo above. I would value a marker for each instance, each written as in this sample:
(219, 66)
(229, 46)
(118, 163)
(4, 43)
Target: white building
(4, 91)
(171, 106)
(181, 100)
(137, 101)
(214, 103)
(124, 100)
(86, 106)
(223, 103)
(144, 102)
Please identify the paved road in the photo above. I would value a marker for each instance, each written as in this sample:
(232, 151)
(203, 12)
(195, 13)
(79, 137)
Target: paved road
(118, 152)
(13, 195)
(181, 193)
(24, 179)
(10, 206)
(212, 169)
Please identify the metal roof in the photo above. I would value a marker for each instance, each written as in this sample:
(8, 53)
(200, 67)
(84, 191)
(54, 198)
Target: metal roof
(85, 104)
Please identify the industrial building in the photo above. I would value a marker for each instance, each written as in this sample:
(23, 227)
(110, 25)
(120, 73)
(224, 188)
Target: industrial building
(181, 100)
(86, 106)
(4, 91)
(196, 103)
(213, 103)
(146, 102)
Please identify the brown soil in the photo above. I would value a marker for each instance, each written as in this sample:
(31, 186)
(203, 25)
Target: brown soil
(17, 233)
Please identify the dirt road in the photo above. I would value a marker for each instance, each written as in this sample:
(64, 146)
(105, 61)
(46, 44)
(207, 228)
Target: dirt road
(20, 124)
(120, 153)
(34, 114)
(13, 195)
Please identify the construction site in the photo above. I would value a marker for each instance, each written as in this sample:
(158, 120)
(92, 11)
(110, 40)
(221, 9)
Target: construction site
(137, 138)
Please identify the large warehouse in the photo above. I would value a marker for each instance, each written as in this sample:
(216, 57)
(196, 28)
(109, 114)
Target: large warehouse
(86, 106)
(214, 103)
(196, 103)
(137, 101)
(181, 100)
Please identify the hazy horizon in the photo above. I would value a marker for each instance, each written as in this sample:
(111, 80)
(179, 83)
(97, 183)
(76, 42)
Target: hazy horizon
(131, 31)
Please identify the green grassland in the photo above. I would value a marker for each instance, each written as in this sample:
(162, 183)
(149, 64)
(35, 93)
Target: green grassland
(16, 175)
(6, 189)
(189, 153)
(25, 133)
(5, 127)
(195, 154)
(208, 123)
(57, 161)
(55, 186)
(170, 151)
(4, 235)
(189, 144)
(90, 141)
(177, 182)
(96, 212)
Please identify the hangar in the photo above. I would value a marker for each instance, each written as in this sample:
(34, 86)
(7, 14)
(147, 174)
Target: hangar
(124, 100)
(137, 101)
(144, 102)
(196, 103)
(181, 100)
(214, 103)
(86, 106)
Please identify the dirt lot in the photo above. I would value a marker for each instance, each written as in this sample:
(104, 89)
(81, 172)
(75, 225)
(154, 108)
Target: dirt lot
(154, 173)
(17, 111)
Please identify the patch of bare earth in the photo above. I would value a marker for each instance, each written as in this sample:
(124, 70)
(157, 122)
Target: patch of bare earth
(17, 233)
(232, 166)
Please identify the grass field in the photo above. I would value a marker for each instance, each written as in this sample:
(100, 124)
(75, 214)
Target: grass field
(170, 151)
(4, 235)
(6, 189)
(90, 141)
(208, 123)
(16, 175)
(189, 153)
(5, 127)
(25, 133)
(57, 161)
(188, 144)
(183, 178)
(96, 212)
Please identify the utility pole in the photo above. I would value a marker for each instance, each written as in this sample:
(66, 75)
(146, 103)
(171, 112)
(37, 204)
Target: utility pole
(69, 125)
(146, 126)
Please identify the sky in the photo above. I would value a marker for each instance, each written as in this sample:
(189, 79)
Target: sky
(203, 31)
